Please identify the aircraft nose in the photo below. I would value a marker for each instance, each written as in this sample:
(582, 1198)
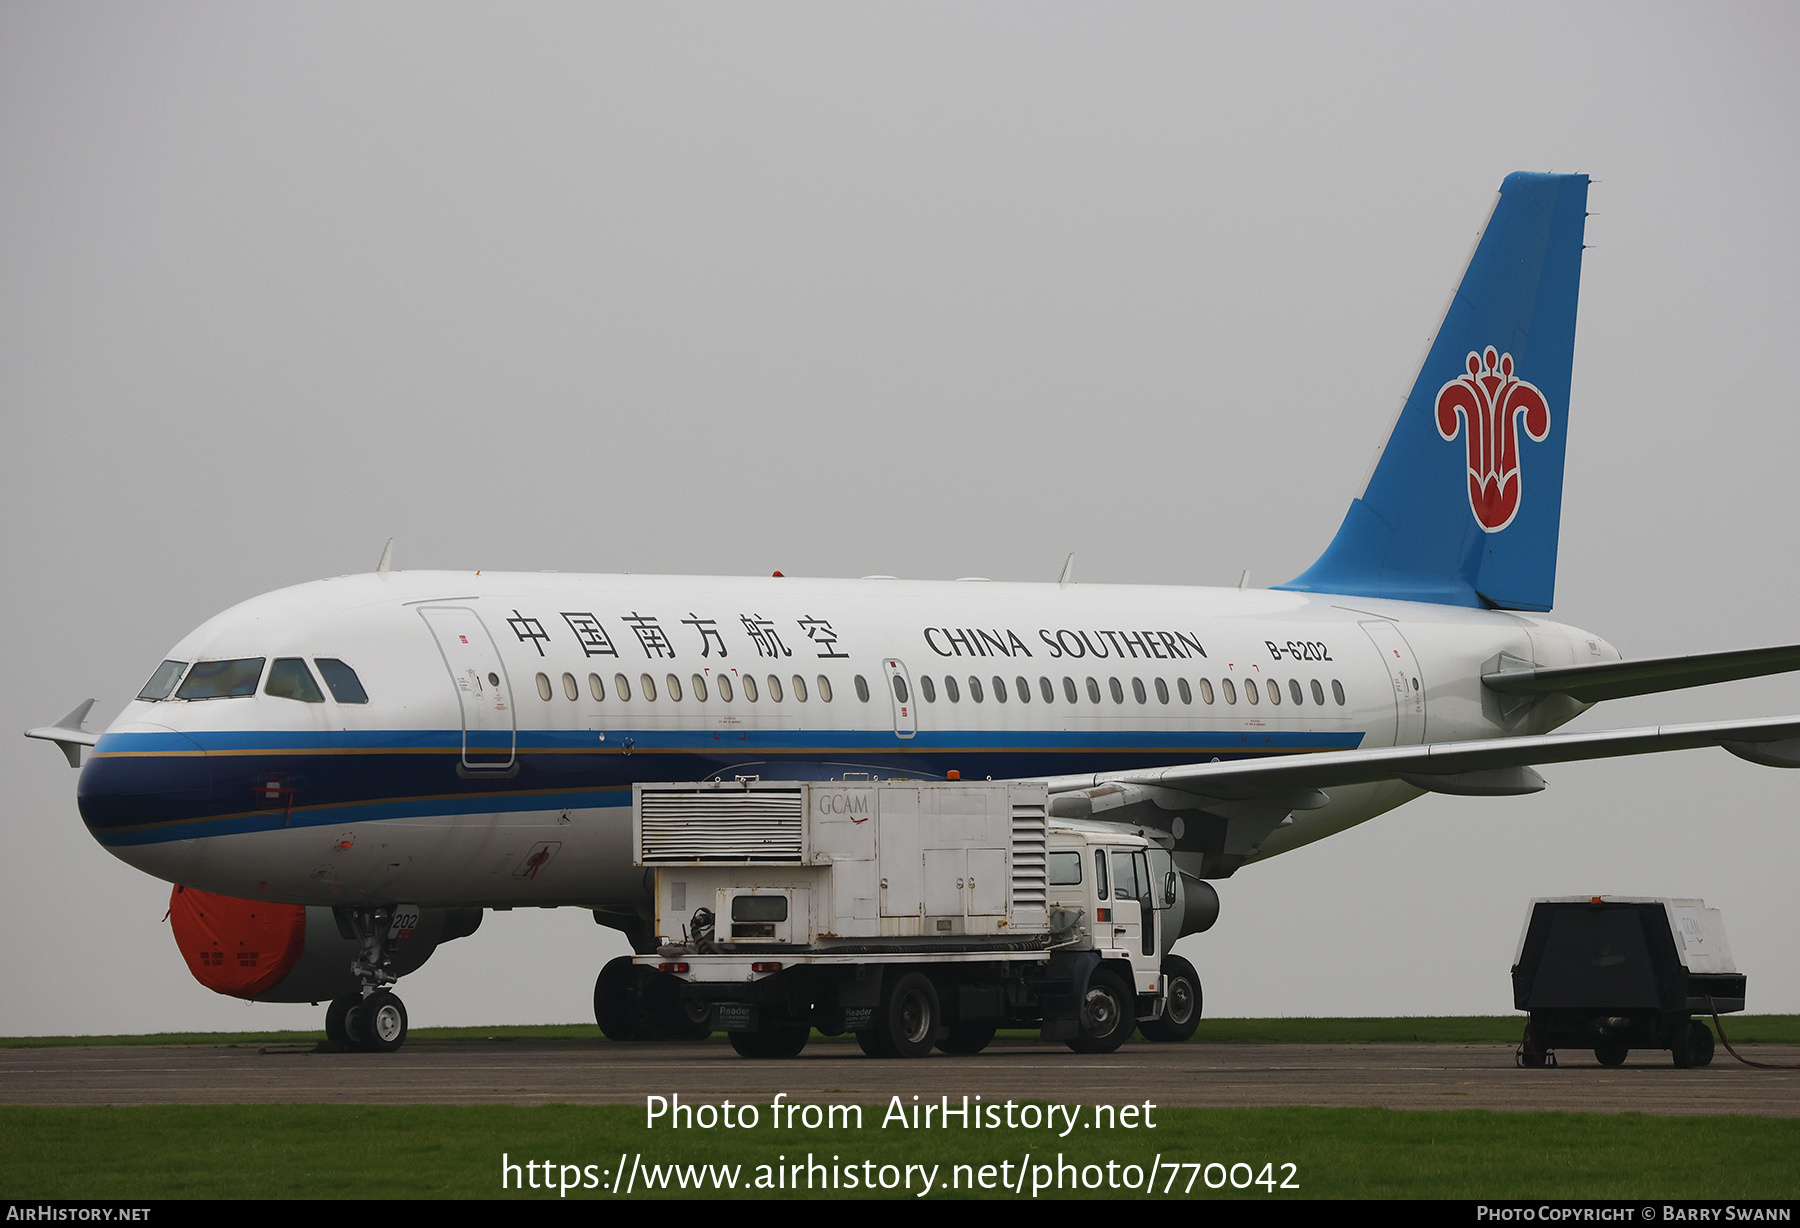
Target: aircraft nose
(140, 779)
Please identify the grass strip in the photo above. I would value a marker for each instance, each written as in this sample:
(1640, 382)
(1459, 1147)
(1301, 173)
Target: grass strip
(336, 1151)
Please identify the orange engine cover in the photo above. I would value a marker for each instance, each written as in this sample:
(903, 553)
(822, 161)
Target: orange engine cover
(236, 947)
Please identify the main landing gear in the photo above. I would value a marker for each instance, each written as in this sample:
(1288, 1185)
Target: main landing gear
(372, 1020)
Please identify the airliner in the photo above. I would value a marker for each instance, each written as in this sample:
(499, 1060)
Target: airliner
(340, 775)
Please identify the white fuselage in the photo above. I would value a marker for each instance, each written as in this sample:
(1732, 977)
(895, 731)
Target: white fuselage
(497, 771)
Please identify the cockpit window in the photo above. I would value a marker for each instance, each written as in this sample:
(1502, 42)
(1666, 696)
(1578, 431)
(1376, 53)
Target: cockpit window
(163, 680)
(345, 687)
(290, 679)
(222, 679)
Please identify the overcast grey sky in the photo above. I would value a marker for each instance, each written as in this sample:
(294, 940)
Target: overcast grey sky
(930, 290)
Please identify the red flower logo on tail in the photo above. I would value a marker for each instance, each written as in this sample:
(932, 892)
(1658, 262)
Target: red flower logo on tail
(1492, 401)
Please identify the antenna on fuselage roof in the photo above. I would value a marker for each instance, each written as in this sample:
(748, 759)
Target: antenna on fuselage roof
(1243, 579)
(1068, 571)
(387, 559)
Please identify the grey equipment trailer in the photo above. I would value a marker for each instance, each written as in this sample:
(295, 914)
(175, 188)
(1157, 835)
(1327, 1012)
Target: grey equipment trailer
(915, 914)
(1617, 973)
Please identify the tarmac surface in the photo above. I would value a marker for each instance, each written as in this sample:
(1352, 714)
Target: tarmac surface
(529, 1072)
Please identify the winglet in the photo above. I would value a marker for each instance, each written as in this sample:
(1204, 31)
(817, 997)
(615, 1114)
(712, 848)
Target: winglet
(68, 733)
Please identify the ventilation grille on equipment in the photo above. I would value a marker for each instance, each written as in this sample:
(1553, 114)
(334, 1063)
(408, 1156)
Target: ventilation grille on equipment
(1030, 870)
(727, 826)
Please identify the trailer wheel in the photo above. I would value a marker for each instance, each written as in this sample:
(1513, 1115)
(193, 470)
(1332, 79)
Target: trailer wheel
(1681, 1043)
(1694, 1046)
(909, 1016)
(967, 1038)
(777, 1042)
(1106, 1016)
(1611, 1053)
(1181, 1010)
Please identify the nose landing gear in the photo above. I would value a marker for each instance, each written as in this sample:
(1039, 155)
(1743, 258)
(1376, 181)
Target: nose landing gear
(373, 1020)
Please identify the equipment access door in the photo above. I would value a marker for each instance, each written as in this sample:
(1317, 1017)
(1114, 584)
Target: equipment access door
(489, 726)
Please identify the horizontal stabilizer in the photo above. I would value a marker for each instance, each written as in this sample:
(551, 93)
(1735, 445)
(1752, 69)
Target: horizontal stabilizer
(1618, 679)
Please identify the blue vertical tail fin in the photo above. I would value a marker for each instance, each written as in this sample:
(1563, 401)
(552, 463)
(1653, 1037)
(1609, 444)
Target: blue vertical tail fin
(1465, 499)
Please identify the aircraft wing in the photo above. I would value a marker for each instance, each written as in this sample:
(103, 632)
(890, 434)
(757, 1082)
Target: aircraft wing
(1618, 679)
(1491, 767)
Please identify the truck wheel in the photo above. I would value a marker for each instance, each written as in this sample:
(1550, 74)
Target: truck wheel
(777, 1042)
(871, 1041)
(967, 1038)
(1611, 1053)
(615, 1008)
(1106, 1017)
(1181, 1009)
(909, 1016)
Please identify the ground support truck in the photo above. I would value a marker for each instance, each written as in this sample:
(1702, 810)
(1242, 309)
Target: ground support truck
(914, 914)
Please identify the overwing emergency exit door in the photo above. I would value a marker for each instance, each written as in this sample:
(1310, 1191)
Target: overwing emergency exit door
(906, 712)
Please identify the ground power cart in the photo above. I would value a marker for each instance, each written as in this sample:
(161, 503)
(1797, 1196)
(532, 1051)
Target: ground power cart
(1617, 973)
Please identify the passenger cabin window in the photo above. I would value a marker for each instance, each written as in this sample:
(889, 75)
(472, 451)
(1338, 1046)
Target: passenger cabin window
(748, 682)
(724, 684)
(621, 686)
(900, 688)
(999, 689)
(1048, 691)
(162, 681)
(674, 688)
(1230, 690)
(571, 688)
(974, 688)
(799, 689)
(222, 679)
(543, 685)
(1250, 691)
(345, 686)
(774, 689)
(647, 688)
(1069, 691)
(862, 688)
(824, 689)
(1318, 693)
(1093, 690)
(1337, 692)
(950, 691)
(1294, 691)
(698, 687)
(290, 679)
(596, 688)
(928, 688)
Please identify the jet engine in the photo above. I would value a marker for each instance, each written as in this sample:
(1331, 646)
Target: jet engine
(291, 952)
